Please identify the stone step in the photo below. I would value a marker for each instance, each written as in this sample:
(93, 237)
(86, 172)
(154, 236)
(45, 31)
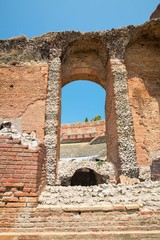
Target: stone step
(85, 225)
(106, 224)
(94, 228)
(89, 225)
(118, 235)
(95, 221)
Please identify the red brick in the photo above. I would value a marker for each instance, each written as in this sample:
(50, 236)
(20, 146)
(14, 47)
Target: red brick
(9, 153)
(14, 141)
(21, 194)
(26, 189)
(16, 204)
(5, 145)
(2, 189)
(14, 166)
(10, 199)
(23, 154)
(30, 167)
(5, 137)
(2, 150)
(2, 157)
(2, 204)
(11, 180)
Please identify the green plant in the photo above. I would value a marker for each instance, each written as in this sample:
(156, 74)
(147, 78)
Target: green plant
(86, 119)
(96, 118)
(100, 163)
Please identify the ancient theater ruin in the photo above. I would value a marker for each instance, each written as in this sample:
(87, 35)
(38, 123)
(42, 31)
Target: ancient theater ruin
(82, 177)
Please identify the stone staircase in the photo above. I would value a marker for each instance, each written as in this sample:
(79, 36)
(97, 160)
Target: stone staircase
(48, 223)
(107, 217)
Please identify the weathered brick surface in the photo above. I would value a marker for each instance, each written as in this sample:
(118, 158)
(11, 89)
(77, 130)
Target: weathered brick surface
(143, 61)
(83, 130)
(22, 96)
(22, 172)
(76, 219)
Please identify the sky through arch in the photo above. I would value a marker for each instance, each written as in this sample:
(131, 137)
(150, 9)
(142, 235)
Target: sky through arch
(35, 17)
(81, 99)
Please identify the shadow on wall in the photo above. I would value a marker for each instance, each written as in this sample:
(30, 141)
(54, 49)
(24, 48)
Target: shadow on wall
(155, 170)
(84, 177)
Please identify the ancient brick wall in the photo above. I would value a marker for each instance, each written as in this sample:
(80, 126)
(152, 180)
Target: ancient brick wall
(143, 66)
(83, 130)
(22, 173)
(22, 96)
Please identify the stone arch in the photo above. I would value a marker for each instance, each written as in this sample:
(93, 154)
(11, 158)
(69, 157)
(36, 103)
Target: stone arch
(84, 177)
(68, 167)
(87, 58)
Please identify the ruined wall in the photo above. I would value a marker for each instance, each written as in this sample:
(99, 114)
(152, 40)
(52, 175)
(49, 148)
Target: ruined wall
(95, 128)
(22, 173)
(67, 167)
(33, 71)
(143, 66)
(22, 96)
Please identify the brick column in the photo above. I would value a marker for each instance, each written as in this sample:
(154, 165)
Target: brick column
(125, 130)
(53, 119)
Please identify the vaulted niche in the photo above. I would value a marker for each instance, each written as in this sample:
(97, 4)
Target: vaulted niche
(84, 177)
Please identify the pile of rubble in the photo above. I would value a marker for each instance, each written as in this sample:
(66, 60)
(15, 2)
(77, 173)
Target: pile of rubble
(7, 128)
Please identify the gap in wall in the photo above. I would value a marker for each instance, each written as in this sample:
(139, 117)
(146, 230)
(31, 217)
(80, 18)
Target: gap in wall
(82, 101)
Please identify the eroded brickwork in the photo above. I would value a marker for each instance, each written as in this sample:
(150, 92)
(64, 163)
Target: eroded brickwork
(83, 130)
(22, 96)
(143, 66)
(22, 172)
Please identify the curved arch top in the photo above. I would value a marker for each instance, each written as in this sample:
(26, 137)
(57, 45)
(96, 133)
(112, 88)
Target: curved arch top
(85, 58)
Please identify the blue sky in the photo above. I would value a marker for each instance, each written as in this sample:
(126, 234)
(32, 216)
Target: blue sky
(80, 99)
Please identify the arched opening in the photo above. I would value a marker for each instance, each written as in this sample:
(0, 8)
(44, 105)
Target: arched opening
(81, 101)
(83, 59)
(84, 177)
(84, 135)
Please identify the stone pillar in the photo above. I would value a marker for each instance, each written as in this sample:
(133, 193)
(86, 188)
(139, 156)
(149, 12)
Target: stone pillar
(125, 130)
(52, 128)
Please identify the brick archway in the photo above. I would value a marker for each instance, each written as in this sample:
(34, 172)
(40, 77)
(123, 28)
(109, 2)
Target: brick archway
(85, 59)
